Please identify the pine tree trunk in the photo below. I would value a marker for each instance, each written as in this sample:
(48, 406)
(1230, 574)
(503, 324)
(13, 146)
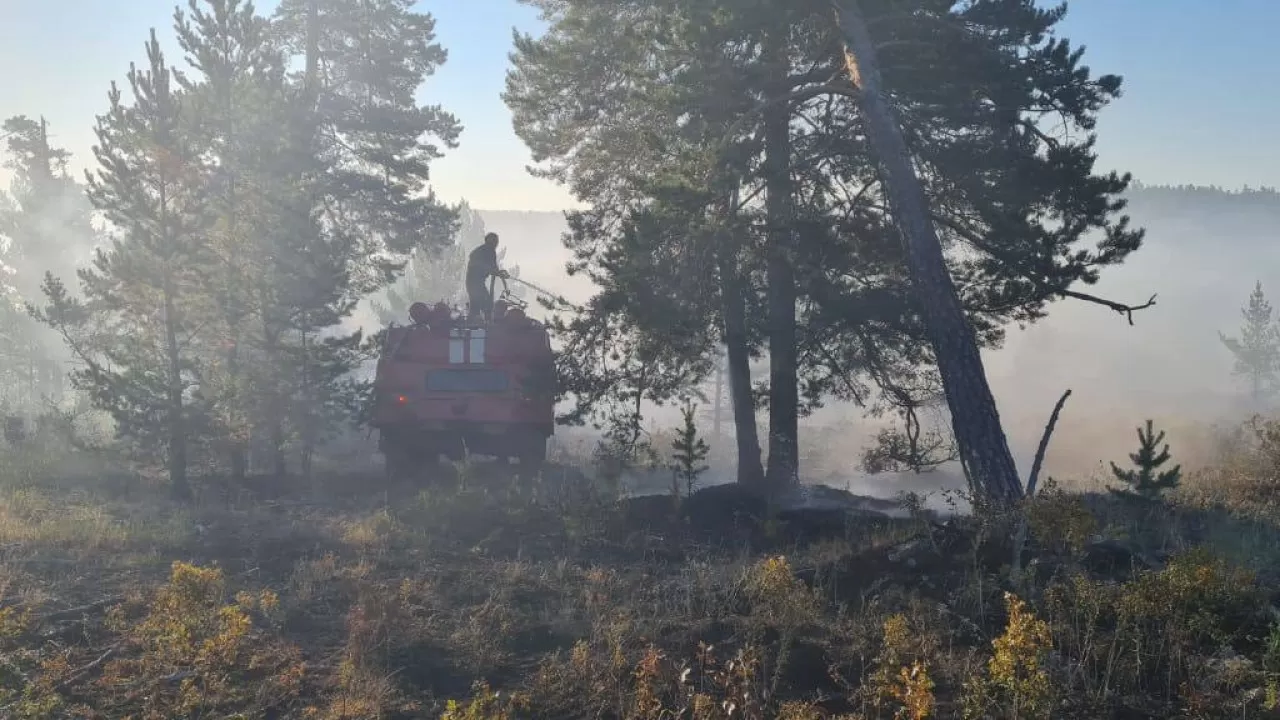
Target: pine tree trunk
(311, 87)
(311, 76)
(984, 450)
(309, 413)
(239, 460)
(716, 430)
(783, 467)
(275, 404)
(56, 382)
(177, 459)
(746, 436)
(279, 462)
(45, 160)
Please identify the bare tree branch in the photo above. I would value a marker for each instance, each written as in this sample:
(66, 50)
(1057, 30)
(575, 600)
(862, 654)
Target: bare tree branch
(1020, 535)
(972, 238)
(1044, 444)
(1123, 309)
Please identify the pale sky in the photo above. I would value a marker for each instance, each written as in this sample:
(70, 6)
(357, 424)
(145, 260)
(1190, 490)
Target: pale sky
(1183, 119)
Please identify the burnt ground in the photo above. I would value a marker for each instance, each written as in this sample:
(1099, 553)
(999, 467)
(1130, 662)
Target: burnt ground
(352, 597)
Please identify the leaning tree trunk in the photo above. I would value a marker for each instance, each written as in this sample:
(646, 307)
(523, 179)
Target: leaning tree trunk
(984, 450)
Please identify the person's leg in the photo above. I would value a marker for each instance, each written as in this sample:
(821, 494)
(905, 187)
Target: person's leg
(480, 302)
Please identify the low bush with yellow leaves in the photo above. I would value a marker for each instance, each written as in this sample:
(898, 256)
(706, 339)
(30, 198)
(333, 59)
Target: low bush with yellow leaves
(1017, 681)
(901, 678)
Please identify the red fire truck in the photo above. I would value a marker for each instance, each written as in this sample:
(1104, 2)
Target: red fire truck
(449, 385)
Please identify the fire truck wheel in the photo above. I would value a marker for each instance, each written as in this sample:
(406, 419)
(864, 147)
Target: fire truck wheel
(396, 463)
(401, 462)
(534, 456)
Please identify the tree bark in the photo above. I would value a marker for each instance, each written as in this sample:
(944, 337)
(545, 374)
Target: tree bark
(984, 450)
(717, 430)
(237, 449)
(783, 467)
(311, 74)
(232, 315)
(275, 435)
(309, 414)
(177, 459)
(746, 436)
(275, 405)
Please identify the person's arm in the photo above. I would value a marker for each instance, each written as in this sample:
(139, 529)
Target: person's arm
(491, 258)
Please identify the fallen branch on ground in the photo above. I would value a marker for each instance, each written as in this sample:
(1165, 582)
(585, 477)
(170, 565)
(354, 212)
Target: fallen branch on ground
(84, 671)
(76, 612)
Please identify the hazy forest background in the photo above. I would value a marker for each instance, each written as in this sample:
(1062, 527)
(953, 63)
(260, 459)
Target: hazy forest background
(1168, 366)
(193, 517)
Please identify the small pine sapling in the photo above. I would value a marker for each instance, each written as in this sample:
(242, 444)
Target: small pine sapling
(1257, 349)
(1148, 482)
(690, 451)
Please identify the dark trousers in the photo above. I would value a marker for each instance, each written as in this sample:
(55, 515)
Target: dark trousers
(480, 301)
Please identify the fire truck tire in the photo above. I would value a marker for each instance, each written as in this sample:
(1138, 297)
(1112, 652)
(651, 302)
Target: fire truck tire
(397, 463)
(534, 455)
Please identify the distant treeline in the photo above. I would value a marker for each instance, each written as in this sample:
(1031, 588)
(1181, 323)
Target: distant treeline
(1141, 195)
(1248, 196)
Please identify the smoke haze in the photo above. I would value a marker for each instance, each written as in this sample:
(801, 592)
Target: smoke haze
(1205, 248)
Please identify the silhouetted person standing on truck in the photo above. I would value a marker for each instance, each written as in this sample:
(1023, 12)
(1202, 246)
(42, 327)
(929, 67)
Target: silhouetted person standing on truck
(481, 265)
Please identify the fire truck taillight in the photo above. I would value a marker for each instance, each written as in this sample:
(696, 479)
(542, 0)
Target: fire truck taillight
(402, 400)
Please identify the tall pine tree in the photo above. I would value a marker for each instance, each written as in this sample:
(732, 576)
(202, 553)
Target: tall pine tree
(364, 65)
(236, 90)
(141, 309)
(642, 130)
(670, 101)
(47, 218)
(366, 198)
(45, 227)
